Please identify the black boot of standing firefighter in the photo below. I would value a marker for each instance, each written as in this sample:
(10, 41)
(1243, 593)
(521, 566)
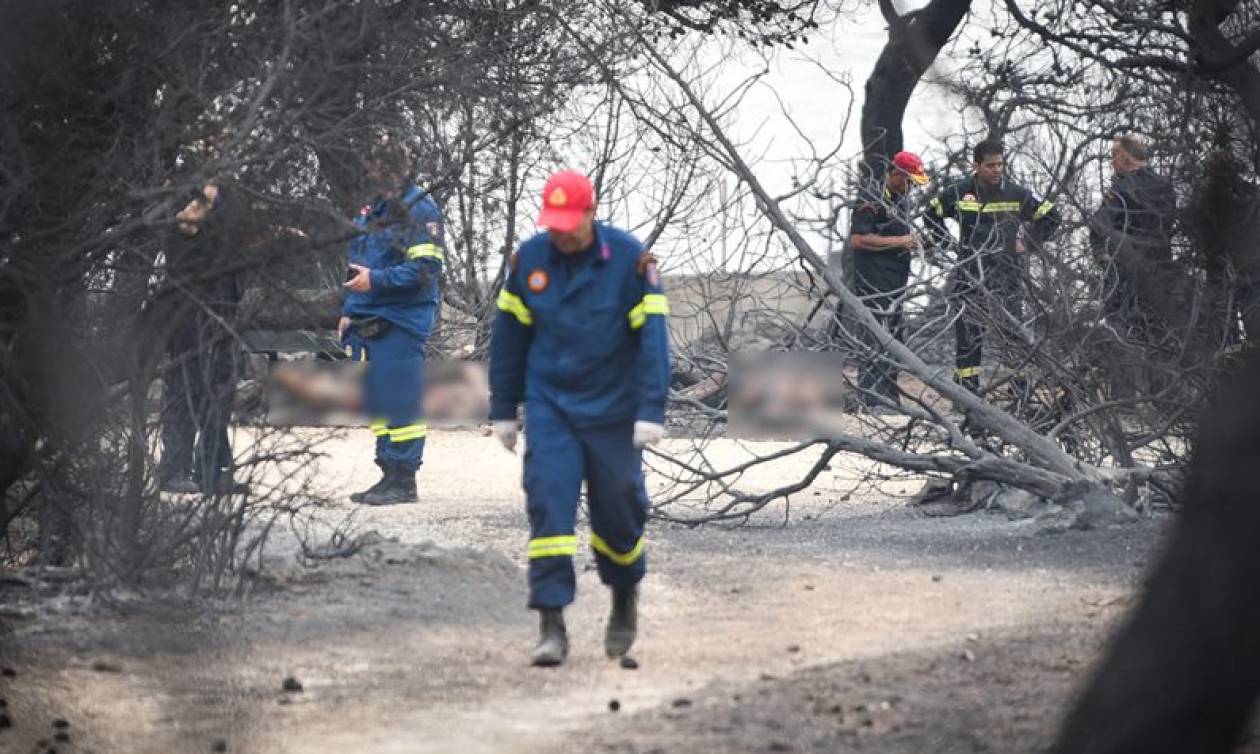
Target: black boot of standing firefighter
(398, 487)
(357, 497)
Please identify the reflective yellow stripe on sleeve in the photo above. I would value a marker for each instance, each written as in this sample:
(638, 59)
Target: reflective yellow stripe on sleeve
(550, 547)
(967, 372)
(1002, 207)
(422, 250)
(379, 427)
(1043, 210)
(936, 205)
(652, 303)
(620, 558)
(988, 207)
(512, 304)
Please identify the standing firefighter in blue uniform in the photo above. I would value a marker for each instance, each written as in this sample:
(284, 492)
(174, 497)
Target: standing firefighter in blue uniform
(581, 339)
(395, 269)
(997, 220)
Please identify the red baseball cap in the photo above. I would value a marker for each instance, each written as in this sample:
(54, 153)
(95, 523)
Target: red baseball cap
(566, 198)
(910, 164)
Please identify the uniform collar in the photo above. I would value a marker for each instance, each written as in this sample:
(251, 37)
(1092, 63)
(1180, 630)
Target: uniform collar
(408, 196)
(597, 254)
(892, 198)
(980, 189)
(411, 194)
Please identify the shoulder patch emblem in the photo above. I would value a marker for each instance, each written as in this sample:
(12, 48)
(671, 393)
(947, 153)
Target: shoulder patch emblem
(537, 281)
(969, 197)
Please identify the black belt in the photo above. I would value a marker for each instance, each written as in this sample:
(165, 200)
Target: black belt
(369, 327)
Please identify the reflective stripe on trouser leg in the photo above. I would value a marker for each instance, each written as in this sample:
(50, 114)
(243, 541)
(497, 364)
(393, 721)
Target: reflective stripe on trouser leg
(405, 444)
(553, 479)
(968, 344)
(618, 502)
(392, 388)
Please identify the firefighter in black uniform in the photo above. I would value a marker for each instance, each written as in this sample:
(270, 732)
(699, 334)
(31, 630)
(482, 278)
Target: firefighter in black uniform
(997, 221)
(882, 244)
(1131, 233)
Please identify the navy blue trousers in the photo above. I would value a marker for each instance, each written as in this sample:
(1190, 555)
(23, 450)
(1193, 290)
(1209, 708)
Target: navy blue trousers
(558, 458)
(392, 390)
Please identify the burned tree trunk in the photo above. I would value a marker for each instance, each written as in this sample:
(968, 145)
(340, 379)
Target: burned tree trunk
(914, 41)
(1184, 673)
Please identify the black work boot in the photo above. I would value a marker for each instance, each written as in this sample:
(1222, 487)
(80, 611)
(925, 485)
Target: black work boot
(357, 497)
(399, 488)
(623, 622)
(224, 484)
(553, 640)
(181, 483)
(971, 383)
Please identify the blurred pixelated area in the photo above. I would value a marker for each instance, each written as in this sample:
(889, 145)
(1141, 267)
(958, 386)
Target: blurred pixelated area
(786, 396)
(328, 392)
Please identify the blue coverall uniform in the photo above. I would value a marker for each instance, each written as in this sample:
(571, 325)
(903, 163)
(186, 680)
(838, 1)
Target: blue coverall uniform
(402, 246)
(582, 340)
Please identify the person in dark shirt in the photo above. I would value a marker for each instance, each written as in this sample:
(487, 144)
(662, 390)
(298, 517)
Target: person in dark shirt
(204, 263)
(1131, 233)
(882, 244)
(997, 219)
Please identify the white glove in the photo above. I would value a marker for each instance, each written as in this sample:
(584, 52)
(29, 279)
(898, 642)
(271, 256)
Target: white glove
(648, 433)
(504, 430)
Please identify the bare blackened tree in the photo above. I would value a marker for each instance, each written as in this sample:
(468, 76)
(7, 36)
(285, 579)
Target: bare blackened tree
(116, 118)
(915, 38)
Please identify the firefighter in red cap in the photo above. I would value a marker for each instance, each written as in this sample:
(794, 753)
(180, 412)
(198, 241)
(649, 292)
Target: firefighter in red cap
(581, 339)
(883, 242)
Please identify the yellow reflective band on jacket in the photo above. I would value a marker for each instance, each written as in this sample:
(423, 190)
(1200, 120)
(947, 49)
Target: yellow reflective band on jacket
(512, 304)
(936, 205)
(1043, 210)
(652, 303)
(967, 371)
(422, 250)
(620, 558)
(550, 547)
(986, 208)
(409, 432)
(379, 427)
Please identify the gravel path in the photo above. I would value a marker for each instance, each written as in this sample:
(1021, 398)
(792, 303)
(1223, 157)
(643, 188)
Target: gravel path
(857, 626)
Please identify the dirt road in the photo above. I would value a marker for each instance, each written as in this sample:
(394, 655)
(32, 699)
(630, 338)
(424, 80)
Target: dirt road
(859, 626)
